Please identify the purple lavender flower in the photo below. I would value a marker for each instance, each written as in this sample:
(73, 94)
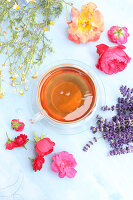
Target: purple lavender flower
(118, 131)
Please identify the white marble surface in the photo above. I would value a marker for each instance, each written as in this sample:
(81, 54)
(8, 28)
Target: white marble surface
(99, 176)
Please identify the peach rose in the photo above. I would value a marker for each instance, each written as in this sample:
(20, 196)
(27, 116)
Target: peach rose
(86, 25)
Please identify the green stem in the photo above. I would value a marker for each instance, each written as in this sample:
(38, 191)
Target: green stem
(25, 147)
(30, 158)
(32, 141)
(35, 134)
(7, 137)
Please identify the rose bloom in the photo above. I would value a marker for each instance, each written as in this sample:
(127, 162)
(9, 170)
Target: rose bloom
(64, 164)
(20, 140)
(44, 146)
(38, 163)
(17, 125)
(118, 34)
(112, 59)
(10, 145)
(86, 25)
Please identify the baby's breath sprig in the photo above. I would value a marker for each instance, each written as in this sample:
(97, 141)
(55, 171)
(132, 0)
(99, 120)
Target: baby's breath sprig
(23, 28)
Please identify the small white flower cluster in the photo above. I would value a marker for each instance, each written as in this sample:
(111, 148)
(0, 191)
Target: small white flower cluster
(17, 6)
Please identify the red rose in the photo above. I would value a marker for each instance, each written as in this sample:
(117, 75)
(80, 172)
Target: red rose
(112, 59)
(17, 125)
(37, 163)
(10, 145)
(44, 146)
(20, 140)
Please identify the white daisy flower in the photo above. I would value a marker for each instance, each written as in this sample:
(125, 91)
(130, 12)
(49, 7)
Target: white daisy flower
(32, 1)
(16, 6)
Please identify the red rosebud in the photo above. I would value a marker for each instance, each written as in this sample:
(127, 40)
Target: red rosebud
(112, 59)
(17, 125)
(21, 140)
(10, 145)
(37, 163)
(44, 146)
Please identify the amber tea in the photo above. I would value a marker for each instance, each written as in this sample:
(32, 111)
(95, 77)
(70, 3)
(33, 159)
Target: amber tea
(67, 94)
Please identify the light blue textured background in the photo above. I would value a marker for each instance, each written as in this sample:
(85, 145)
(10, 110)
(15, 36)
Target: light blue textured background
(99, 176)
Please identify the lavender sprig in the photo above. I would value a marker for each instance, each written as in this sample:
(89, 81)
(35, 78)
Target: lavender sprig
(88, 145)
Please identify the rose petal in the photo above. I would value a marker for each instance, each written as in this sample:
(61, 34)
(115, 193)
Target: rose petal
(89, 7)
(74, 38)
(54, 167)
(101, 48)
(61, 174)
(97, 20)
(74, 16)
(70, 172)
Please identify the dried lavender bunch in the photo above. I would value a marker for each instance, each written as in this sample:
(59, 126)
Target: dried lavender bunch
(119, 130)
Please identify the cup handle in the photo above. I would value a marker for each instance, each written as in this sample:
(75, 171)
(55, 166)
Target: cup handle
(37, 117)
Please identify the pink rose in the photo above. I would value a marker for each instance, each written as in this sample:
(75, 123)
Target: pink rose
(17, 125)
(10, 145)
(44, 146)
(38, 163)
(64, 164)
(112, 59)
(21, 140)
(118, 34)
(18, 141)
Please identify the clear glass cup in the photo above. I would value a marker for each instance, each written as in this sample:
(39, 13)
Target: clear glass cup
(70, 127)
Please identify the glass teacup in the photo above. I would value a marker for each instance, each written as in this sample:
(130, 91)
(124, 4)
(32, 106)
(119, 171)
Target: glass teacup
(66, 94)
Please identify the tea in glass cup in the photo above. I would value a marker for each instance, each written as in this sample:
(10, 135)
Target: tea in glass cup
(66, 94)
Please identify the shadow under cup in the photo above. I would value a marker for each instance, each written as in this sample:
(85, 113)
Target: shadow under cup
(66, 94)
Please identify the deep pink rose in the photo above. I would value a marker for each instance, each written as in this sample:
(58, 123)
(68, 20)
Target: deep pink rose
(44, 146)
(112, 59)
(10, 145)
(21, 140)
(64, 164)
(118, 34)
(38, 163)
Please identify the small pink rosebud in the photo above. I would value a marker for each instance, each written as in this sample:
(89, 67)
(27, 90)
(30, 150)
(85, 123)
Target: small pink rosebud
(118, 34)
(17, 125)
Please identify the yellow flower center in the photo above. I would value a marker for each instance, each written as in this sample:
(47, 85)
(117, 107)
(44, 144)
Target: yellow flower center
(17, 7)
(51, 23)
(1, 95)
(20, 67)
(45, 28)
(21, 92)
(84, 22)
(35, 76)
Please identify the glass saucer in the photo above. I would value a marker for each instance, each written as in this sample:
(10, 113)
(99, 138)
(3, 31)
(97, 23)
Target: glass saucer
(76, 127)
